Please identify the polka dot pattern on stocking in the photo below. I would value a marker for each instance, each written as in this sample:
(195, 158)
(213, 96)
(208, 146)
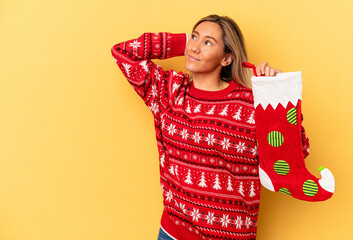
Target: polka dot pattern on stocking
(275, 138)
(292, 116)
(310, 188)
(281, 167)
(284, 190)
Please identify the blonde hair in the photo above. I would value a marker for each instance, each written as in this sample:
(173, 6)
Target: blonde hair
(234, 44)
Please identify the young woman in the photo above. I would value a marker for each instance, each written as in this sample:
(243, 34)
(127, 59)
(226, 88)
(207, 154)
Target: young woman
(205, 127)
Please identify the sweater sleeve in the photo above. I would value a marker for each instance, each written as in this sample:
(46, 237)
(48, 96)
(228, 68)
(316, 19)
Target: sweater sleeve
(305, 141)
(134, 56)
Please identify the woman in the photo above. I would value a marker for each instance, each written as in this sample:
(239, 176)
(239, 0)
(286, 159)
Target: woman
(205, 130)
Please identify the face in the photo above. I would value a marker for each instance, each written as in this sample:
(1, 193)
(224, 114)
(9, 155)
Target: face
(204, 50)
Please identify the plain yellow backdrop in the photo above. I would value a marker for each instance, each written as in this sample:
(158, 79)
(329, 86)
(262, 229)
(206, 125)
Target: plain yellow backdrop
(78, 154)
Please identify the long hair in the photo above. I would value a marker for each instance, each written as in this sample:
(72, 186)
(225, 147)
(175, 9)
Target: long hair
(233, 43)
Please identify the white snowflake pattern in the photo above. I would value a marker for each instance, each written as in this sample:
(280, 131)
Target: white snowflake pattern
(225, 220)
(176, 203)
(247, 222)
(240, 147)
(169, 195)
(197, 137)
(254, 150)
(171, 129)
(210, 218)
(157, 74)
(135, 44)
(238, 222)
(210, 139)
(195, 214)
(154, 90)
(225, 143)
(154, 107)
(182, 207)
(184, 134)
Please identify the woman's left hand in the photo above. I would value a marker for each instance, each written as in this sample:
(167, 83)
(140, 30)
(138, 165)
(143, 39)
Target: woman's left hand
(264, 68)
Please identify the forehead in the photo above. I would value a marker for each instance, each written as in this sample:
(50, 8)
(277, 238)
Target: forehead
(208, 28)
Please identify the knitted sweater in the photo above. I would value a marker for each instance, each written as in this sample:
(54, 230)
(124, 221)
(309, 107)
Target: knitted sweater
(206, 141)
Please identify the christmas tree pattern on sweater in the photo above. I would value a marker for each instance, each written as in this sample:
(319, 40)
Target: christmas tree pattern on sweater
(209, 168)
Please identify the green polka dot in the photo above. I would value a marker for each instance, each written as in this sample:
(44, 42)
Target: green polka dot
(275, 138)
(310, 188)
(292, 116)
(281, 167)
(284, 190)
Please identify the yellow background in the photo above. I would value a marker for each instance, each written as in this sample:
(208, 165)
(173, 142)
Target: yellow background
(78, 154)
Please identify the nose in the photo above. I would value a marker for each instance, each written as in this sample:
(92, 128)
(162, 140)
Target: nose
(195, 47)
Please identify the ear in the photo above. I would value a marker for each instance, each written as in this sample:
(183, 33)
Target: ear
(227, 59)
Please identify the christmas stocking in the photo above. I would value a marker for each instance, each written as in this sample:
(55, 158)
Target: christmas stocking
(277, 102)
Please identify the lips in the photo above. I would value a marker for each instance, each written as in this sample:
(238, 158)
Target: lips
(192, 58)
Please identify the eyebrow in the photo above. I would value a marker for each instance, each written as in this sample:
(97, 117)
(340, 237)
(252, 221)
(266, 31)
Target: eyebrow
(207, 36)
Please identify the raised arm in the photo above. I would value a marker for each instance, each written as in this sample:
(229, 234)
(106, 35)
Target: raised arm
(134, 56)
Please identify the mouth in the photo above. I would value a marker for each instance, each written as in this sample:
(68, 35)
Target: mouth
(193, 58)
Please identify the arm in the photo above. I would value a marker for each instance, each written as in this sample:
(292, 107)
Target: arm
(134, 56)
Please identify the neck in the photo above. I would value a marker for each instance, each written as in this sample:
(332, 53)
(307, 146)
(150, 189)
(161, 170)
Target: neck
(209, 81)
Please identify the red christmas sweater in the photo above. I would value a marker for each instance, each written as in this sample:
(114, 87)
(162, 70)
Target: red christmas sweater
(206, 141)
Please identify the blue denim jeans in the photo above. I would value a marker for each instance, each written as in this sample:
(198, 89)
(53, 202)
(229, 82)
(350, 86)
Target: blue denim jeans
(163, 235)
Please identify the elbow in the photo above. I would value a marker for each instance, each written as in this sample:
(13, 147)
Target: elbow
(113, 51)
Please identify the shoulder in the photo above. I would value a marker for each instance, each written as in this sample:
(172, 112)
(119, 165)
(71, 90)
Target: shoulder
(244, 94)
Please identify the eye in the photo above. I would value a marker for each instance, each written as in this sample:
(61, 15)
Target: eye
(192, 36)
(209, 43)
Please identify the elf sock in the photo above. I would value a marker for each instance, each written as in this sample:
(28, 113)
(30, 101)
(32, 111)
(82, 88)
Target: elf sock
(277, 102)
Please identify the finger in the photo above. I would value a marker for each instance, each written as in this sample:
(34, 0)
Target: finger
(276, 71)
(272, 72)
(258, 70)
(267, 71)
(263, 66)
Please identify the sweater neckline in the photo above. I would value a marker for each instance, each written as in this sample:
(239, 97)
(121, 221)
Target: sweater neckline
(196, 92)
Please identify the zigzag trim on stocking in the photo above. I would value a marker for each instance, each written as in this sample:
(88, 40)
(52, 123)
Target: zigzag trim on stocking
(267, 91)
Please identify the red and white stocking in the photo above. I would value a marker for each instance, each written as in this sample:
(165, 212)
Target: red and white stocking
(278, 121)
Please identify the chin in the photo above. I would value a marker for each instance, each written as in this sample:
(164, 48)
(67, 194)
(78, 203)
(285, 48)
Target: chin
(191, 68)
